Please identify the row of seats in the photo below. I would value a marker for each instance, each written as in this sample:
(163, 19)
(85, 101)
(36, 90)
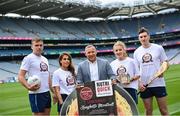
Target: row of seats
(11, 68)
(50, 51)
(21, 27)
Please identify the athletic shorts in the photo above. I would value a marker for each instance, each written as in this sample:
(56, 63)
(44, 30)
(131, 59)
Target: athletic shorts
(154, 91)
(40, 101)
(133, 93)
(64, 96)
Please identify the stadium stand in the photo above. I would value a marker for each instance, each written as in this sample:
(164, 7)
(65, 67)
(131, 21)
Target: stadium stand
(83, 30)
(64, 36)
(9, 70)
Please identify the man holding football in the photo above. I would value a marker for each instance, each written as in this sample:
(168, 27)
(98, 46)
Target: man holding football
(37, 65)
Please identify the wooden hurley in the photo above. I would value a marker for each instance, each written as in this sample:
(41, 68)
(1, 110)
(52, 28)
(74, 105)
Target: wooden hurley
(162, 69)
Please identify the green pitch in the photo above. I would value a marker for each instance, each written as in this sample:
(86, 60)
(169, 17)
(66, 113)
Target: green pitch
(14, 97)
(172, 77)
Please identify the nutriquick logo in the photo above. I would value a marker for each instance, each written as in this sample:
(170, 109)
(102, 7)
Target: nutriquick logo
(86, 93)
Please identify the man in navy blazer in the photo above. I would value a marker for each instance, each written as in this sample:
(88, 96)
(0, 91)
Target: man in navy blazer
(93, 68)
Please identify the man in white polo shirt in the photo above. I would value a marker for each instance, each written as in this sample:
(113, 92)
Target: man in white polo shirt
(149, 57)
(36, 64)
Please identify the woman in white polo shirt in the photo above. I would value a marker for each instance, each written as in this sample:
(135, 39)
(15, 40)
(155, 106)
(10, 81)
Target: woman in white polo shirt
(125, 66)
(63, 80)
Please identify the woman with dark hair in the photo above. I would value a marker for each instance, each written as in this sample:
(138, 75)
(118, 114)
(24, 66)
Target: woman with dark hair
(63, 80)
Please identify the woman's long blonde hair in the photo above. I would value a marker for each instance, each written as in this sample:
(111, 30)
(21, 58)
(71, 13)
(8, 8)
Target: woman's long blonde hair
(120, 43)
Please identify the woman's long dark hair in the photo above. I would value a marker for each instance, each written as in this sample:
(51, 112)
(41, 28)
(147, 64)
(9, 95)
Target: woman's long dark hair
(71, 66)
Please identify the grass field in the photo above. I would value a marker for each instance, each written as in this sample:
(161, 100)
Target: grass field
(14, 98)
(172, 77)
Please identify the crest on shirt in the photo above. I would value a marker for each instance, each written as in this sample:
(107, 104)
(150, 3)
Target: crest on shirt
(147, 58)
(43, 67)
(70, 80)
(121, 70)
(122, 75)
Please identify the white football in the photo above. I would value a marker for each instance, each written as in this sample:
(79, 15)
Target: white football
(35, 80)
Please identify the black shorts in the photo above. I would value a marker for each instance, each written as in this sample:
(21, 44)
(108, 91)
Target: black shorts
(64, 96)
(133, 93)
(154, 91)
(40, 101)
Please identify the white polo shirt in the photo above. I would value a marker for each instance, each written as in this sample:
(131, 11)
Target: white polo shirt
(37, 65)
(130, 68)
(149, 61)
(64, 80)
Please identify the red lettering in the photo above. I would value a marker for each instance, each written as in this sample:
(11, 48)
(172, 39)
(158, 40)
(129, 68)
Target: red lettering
(105, 88)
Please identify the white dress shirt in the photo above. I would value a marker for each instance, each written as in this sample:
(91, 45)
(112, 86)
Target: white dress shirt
(93, 71)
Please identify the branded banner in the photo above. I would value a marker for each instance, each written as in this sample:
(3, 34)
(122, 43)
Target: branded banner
(99, 98)
(96, 98)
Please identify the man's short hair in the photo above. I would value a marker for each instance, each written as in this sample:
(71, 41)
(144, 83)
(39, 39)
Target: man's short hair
(142, 30)
(36, 40)
(89, 46)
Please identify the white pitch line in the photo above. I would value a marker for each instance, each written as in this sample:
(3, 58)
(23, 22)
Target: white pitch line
(173, 108)
(10, 112)
(172, 80)
(171, 113)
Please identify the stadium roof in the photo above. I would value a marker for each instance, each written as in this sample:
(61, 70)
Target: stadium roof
(62, 9)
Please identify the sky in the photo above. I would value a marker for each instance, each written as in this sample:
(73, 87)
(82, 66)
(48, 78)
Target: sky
(104, 3)
(126, 2)
(113, 1)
